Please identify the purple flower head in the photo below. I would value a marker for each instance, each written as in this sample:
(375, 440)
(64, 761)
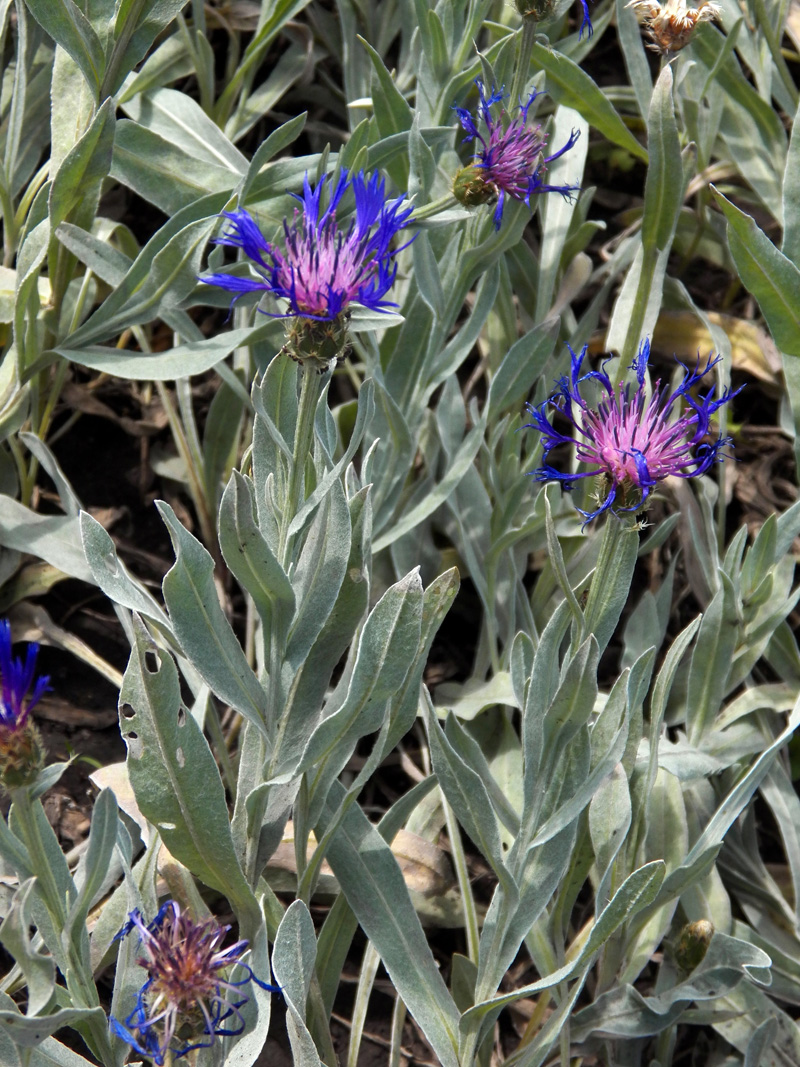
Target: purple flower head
(183, 1004)
(633, 441)
(20, 689)
(509, 157)
(319, 267)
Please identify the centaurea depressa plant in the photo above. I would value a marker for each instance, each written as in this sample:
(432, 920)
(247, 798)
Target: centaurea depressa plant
(509, 155)
(21, 753)
(183, 1004)
(631, 440)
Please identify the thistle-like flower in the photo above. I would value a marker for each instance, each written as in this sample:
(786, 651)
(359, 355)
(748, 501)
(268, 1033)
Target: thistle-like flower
(670, 25)
(21, 750)
(183, 1004)
(319, 268)
(631, 442)
(509, 157)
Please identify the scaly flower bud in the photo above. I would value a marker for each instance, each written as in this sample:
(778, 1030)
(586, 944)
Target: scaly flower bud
(21, 749)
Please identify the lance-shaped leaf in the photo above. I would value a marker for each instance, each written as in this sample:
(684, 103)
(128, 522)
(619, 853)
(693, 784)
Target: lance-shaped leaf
(248, 555)
(767, 273)
(385, 654)
(174, 775)
(374, 887)
(200, 625)
(293, 966)
(39, 969)
(468, 797)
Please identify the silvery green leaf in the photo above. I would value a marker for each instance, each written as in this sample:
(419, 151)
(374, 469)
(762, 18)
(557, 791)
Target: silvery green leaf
(53, 538)
(293, 957)
(307, 680)
(135, 29)
(711, 660)
(113, 577)
(373, 885)
(39, 969)
(28, 1032)
(92, 874)
(75, 188)
(609, 820)
(636, 892)
(663, 191)
(468, 796)
(167, 756)
(569, 84)
(162, 172)
(469, 699)
(772, 278)
(181, 121)
(319, 573)
(521, 367)
(386, 652)
(462, 462)
(66, 23)
(248, 555)
(201, 627)
(161, 276)
(364, 413)
(50, 1053)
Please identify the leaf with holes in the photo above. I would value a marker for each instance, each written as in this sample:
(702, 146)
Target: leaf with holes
(174, 776)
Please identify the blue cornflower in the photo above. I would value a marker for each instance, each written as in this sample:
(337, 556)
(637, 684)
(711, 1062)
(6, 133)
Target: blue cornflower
(183, 1005)
(509, 158)
(319, 268)
(20, 689)
(631, 441)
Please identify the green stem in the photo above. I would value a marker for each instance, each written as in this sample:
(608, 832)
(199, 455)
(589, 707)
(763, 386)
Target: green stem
(633, 337)
(523, 66)
(433, 208)
(613, 532)
(310, 389)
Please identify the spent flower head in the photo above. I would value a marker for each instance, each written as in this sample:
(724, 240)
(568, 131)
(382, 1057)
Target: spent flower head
(631, 441)
(509, 155)
(183, 1005)
(670, 25)
(540, 10)
(21, 750)
(321, 267)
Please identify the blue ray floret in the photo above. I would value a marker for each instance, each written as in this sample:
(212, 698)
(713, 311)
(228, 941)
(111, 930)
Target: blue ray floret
(509, 156)
(20, 689)
(321, 267)
(184, 1003)
(631, 441)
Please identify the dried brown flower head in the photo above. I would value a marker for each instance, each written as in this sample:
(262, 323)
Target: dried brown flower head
(671, 24)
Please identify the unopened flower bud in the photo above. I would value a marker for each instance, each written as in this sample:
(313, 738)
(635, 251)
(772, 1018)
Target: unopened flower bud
(693, 944)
